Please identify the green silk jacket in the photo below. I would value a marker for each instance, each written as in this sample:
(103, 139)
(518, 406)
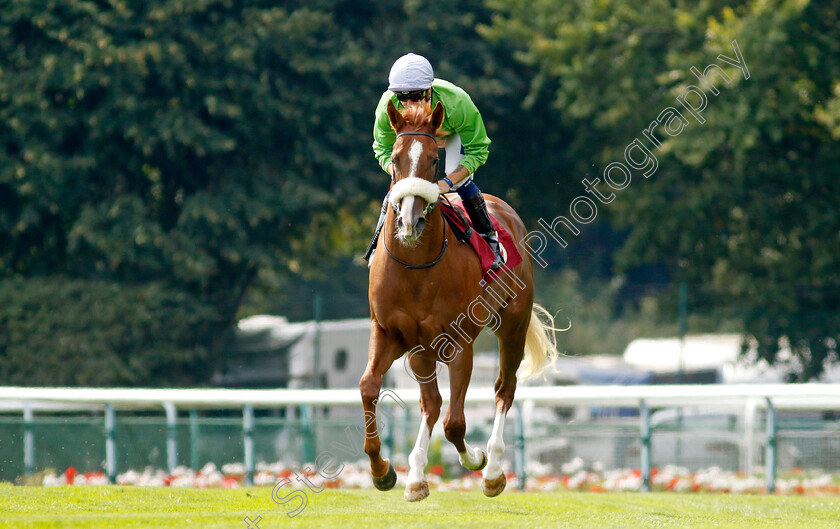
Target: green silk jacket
(460, 117)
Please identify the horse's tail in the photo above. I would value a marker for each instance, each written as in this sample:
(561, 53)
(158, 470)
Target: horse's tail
(540, 343)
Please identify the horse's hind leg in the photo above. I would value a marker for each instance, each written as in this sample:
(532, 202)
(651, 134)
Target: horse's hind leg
(454, 424)
(511, 351)
(416, 487)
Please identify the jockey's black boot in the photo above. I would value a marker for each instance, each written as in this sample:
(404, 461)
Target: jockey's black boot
(371, 249)
(477, 211)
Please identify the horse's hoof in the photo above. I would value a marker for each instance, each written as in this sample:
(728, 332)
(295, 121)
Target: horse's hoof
(387, 481)
(416, 491)
(493, 487)
(479, 466)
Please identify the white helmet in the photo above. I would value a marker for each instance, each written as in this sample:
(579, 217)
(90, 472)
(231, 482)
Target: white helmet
(409, 73)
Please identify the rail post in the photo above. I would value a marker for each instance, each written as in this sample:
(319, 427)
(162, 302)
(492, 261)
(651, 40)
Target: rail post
(644, 414)
(388, 431)
(110, 443)
(406, 433)
(770, 456)
(28, 441)
(171, 436)
(248, 433)
(194, 436)
(748, 444)
(520, 447)
(316, 341)
(308, 435)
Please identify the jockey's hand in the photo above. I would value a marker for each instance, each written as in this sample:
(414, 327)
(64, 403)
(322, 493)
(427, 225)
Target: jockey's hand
(455, 176)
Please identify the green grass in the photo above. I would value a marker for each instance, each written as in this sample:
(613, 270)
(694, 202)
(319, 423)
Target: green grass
(116, 507)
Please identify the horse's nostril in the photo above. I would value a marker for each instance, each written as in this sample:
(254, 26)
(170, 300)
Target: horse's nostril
(421, 223)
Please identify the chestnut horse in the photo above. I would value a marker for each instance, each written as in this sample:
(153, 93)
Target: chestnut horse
(427, 298)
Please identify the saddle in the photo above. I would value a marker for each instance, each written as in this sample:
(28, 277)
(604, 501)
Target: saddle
(456, 216)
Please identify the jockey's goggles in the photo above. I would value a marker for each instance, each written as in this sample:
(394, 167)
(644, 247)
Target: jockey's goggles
(414, 95)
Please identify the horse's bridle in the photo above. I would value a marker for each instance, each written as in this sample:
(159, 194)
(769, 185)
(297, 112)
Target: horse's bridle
(426, 211)
(415, 133)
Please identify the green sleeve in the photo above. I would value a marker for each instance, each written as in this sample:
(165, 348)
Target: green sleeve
(383, 135)
(464, 118)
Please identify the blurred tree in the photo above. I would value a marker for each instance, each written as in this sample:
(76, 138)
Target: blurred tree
(207, 152)
(60, 332)
(744, 204)
(173, 145)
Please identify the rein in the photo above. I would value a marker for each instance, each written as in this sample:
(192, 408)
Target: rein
(422, 266)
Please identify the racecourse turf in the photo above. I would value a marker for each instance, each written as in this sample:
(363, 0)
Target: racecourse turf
(116, 507)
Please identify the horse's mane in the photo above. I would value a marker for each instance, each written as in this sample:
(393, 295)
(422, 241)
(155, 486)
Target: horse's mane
(417, 115)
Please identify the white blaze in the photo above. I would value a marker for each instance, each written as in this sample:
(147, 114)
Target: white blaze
(406, 207)
(407, 203)
(410, 188)
(414, 153)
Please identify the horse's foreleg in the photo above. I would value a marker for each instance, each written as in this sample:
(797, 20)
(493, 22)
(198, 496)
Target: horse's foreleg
(455, 424)
(380, 358)
(416, 487)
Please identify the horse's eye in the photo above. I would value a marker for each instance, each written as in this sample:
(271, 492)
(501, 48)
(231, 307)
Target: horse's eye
(433, 168)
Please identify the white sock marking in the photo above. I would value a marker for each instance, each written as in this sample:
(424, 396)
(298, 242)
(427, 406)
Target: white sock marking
(471, 458)
(418, 458)
(495, 449)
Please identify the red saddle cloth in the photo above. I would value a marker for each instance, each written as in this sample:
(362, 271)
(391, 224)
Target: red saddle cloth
(485, 254)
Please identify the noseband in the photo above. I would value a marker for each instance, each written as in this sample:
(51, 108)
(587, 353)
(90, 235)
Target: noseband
(426, 211)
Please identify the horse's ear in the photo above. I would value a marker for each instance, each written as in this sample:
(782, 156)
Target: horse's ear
(394, 116)
(437, 116)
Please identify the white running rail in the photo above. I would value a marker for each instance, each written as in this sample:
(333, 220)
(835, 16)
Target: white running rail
(754, 398)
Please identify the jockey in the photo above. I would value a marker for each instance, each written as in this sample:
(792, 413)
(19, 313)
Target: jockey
(466, 141)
